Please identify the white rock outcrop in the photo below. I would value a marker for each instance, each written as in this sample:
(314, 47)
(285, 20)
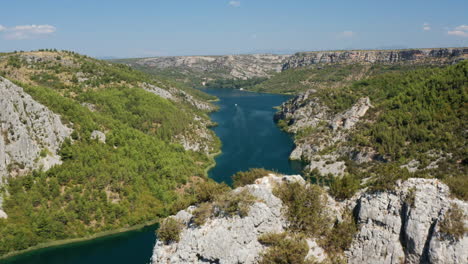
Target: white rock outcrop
(306, 114)
(30, 134)
(403, 226)
(395, 226)
(229, 240)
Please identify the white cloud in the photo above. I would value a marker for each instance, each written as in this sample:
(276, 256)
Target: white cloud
(462, 28)
(235, 3)
(460, 31)
(2, 28)
(347, 34)
(28, 31)
(426, 26)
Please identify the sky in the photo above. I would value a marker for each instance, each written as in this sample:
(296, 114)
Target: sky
(146, 28)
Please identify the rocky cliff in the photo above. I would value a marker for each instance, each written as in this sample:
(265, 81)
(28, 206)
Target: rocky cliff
(442, 55)
(229, 66)
(321, 145)
(399, 226)
(30, 134)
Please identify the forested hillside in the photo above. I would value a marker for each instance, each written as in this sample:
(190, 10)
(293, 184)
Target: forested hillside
(129, 177)
(415, 125)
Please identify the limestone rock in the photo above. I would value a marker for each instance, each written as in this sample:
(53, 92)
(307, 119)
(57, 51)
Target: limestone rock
(323, 129)
(230, 240)
(30, 134)
(98, 135)
(228, 66)
(376, 56)
(395, 226)
(402, 226)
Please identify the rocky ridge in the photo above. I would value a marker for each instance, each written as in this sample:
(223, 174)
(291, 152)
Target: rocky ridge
(446, 55)
(322, 147)
(228, 66)
(264, 65)
(31, 134)
(395, 226)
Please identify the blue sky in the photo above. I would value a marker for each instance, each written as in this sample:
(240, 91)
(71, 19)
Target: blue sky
(142, 28)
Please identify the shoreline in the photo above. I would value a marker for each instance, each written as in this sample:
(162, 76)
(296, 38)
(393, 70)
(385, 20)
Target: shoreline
(70, 241)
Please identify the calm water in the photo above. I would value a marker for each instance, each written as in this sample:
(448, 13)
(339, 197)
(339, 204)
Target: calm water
(250, 140)
(249, 136)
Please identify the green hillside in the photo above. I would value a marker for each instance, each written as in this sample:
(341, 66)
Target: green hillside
(130, 179)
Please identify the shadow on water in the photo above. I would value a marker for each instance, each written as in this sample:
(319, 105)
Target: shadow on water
(250, 140)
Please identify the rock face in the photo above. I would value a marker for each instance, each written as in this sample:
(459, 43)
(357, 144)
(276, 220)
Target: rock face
(404, 226)
(376, 56)
(228, 240)
(326, 131)
(98, 135)
(30, 134)
(229, 66)
(395, 226)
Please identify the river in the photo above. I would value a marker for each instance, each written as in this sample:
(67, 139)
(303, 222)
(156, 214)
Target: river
(250, 140)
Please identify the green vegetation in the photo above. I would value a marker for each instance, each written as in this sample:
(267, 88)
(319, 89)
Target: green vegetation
(233, 203)
(283, 248)
(131, 179)
(417, 115)
(454, 223)
(327, 76)
(344, 187)
(305, 207)
(169, 230)
(243, 178)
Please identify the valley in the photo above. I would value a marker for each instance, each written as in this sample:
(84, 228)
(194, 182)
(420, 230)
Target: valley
(91, 147)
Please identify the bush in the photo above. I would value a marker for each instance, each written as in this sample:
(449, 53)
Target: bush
(234, 203)
(243, 178)
(207, 191)
(344, 187)
(340, 236)
(305, 204)
(284, 249)
(202, 213)
(454, 222)
(169, 230)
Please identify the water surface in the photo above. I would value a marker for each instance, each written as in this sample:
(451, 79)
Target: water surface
(249, 135)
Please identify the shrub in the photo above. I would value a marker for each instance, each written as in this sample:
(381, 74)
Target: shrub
(207, 191)
(339, 238)
(243, 178)
(344, 187)
(271, 239)
(453, 223)
(169, 230)
(305, 205)
(202, 213)
(234, 203)
(283, 249)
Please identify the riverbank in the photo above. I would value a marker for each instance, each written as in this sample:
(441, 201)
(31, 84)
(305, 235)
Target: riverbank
(70, 241)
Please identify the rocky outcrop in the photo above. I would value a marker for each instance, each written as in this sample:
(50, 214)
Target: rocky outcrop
(403, 226)
(322, 129)
(30, 134)
(443, 55)
(99, 136)
(229, 66)
(395, 226)
(177, 95)
(233, 239)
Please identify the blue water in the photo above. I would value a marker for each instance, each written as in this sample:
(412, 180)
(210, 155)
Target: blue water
(250, 140)
(249, 135)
